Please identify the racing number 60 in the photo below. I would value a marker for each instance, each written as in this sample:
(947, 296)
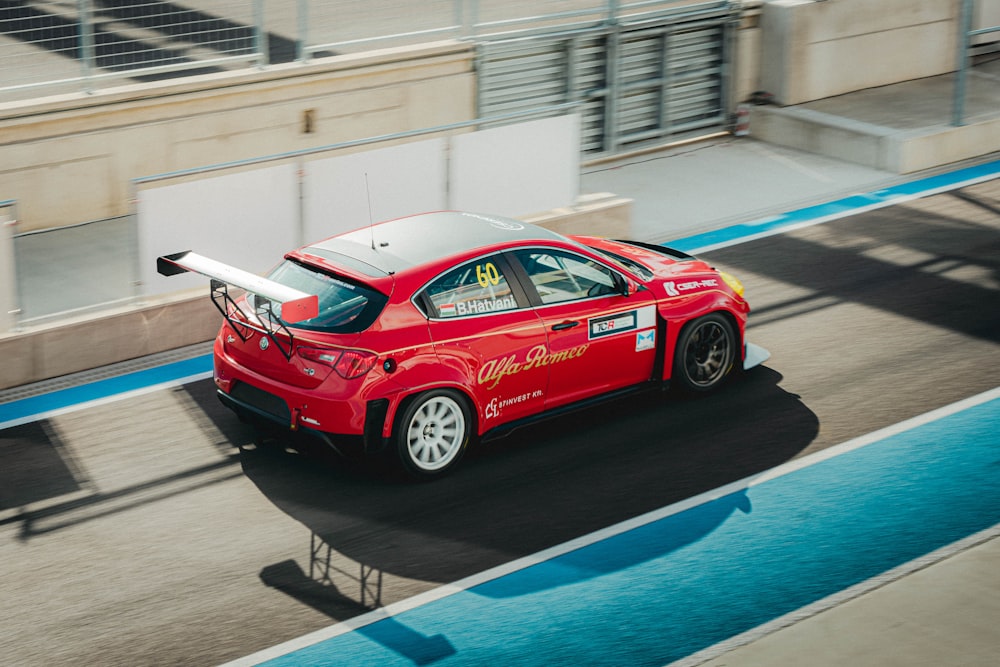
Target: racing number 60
(487, 275)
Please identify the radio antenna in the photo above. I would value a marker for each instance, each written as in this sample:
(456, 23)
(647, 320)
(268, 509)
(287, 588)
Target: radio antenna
(371, 221)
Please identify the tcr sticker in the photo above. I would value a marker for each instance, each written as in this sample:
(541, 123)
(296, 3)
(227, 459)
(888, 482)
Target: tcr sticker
(612, 324)
(619, 323)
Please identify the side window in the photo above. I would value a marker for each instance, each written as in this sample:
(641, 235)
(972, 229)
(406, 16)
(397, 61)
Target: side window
(562, 276)
(472, 289)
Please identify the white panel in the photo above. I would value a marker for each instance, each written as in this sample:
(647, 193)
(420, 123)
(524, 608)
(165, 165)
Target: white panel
(403, 180)
(517, 170)
(248, 220)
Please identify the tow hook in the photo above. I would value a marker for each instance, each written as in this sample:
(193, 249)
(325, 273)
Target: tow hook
(295, 419)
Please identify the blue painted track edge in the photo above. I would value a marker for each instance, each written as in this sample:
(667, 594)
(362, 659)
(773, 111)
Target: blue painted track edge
(461, 585)
(115, 388)
(839, 208)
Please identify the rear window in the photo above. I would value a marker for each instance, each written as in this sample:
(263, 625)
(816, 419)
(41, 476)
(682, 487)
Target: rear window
(344, 306)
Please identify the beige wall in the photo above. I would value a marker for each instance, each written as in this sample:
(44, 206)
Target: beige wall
(71, 159)
(811, 50)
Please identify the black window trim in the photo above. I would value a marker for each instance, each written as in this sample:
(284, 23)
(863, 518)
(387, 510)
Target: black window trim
(536, 300)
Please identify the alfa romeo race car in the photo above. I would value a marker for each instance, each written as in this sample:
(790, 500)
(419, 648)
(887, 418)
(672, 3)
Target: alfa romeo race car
(420, 334)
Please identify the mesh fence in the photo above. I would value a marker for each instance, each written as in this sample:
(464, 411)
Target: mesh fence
(57, 46)
(60, 46)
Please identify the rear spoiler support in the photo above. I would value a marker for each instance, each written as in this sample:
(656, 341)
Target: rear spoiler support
(263, 309)
(295, 305)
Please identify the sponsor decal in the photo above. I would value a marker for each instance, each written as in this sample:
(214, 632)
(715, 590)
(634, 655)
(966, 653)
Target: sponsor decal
(676, 289)
(612, 324)
(506, 225)
(485, 306)
(645, 340)
(496, 405)
(477, 307)
(487, 274)
(495, 370)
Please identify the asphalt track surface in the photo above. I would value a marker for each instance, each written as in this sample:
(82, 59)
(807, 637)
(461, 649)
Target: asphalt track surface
(153, 530)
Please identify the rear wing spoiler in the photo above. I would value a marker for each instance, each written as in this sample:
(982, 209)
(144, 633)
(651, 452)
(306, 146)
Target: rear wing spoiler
(294, 305)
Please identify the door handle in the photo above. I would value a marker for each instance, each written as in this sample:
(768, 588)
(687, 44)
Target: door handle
(564, 325)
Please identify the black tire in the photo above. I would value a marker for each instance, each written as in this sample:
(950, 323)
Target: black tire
(705, 354)
(433, 433)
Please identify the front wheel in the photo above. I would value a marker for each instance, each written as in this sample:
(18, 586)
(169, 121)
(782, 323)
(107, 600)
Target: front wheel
(705, 354)
(433, 433)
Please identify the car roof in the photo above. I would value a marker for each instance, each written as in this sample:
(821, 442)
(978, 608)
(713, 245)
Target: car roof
(393, 246)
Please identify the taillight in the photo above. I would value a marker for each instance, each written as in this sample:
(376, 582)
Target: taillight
(349, 364)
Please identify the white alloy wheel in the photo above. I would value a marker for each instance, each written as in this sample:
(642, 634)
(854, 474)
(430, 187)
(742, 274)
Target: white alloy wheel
(435, 430)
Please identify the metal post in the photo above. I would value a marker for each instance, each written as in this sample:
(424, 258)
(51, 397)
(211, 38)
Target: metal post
(962, 63)
(260, 35)
(10, 298)
(612, 12)
(136, 282)
(86, 43)
(458, 12)
(665, 120)
(302, 40)
(473, 17)
(611, 85)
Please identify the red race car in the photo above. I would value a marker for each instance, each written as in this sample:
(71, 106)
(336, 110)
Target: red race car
(423, 333)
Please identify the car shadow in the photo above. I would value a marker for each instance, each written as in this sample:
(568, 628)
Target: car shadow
(537, 488)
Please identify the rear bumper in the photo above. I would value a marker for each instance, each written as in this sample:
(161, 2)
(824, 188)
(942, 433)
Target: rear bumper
(337, 442)
(289, 406)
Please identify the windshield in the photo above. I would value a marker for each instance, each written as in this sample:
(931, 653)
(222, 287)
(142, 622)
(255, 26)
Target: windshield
(344, 306)
(626, 263)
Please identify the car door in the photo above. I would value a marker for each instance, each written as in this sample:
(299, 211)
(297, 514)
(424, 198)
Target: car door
(598, 338)
(484, 330)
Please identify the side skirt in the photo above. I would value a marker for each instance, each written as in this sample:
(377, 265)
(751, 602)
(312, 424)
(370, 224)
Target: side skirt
(504, 430)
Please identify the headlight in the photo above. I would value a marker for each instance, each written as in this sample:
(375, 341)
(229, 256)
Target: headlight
(732, 281)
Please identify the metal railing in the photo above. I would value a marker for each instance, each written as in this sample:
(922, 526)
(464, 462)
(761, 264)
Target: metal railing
(61, 46)
(80, 44)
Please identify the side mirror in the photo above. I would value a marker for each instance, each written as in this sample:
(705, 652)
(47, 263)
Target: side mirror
(626, 286)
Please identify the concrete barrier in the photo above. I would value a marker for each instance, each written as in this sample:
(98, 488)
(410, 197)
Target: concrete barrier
(811, 50)
(82, 343)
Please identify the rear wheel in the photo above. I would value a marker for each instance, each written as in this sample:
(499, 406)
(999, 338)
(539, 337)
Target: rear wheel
(705, 354)
(433, 433)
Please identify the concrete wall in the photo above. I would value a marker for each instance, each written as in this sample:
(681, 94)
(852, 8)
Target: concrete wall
(71, 158)
(811, 50)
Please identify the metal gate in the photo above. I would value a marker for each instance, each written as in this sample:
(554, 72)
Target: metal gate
(636, 82)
